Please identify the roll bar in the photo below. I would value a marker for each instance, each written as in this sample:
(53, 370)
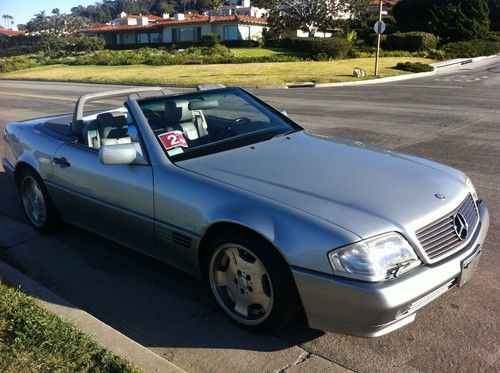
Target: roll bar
(132, 93)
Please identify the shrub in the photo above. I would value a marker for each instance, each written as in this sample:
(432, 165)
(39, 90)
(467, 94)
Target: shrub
(410, 41)
(46, 42)
(241, 43)
(371, 40)
(415, 67)
(331, 47)
(471, 48)
(334, 47)
(18, 63)
(210, 40)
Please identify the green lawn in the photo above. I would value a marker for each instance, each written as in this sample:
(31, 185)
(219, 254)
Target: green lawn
(264, 52)
(34, 340)
(249, 74)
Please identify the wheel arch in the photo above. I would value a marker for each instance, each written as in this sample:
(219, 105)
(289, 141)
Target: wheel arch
(223, 226)
(20, 167)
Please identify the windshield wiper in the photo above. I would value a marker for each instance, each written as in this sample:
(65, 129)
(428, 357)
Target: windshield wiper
(293, 130)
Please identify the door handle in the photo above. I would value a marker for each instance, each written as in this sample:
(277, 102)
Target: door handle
(62, 162)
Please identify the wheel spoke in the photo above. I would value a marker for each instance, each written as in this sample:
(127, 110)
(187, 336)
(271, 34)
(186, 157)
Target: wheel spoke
(220, 278)
(241, 308)
(234, 255)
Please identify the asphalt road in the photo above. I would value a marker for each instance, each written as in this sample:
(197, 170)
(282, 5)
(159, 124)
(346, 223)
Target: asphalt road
(453, 117)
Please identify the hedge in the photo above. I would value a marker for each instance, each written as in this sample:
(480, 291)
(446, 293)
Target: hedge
(58, 44)
(330, 47)
(218, 54)
(410, 41)
(319, 48)
(471, 48)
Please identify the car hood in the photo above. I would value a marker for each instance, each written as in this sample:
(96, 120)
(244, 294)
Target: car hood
(364, 190)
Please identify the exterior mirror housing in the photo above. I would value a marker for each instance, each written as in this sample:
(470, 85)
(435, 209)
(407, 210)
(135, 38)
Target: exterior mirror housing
(118, 154)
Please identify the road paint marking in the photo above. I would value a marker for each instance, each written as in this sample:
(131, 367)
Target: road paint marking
(461, 78)
(67, 99)
(427, 86)
(43, 97)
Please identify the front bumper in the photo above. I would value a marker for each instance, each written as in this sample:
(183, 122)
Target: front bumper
(373, 309)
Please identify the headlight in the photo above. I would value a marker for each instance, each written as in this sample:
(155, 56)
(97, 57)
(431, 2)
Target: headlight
(472, 190)
(375, 259)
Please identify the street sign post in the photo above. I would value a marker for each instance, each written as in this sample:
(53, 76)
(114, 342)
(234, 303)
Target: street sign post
(379, 28)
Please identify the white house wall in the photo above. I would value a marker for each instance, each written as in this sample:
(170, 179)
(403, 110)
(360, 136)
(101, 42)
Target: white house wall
(254, 33)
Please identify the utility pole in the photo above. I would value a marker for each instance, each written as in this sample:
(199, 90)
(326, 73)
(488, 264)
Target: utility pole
(378, 37)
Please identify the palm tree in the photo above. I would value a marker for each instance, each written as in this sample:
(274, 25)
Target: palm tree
(7, 20)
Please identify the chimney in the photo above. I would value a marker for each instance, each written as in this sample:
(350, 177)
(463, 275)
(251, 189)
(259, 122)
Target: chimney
(179, 17)
(123, 15)
(165, 16)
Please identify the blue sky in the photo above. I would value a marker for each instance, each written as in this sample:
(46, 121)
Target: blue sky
(23, 10)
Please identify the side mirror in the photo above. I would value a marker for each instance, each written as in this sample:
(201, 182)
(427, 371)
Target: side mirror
(118, 154)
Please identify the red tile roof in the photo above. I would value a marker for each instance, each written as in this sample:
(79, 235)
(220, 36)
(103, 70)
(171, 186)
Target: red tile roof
(190, 19)
(151, 17)
(6, 32)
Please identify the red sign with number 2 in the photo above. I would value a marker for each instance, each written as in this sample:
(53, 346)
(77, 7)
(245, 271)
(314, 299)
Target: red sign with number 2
(173, 139)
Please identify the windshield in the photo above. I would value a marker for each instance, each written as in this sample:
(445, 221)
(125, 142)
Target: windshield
(201, 123)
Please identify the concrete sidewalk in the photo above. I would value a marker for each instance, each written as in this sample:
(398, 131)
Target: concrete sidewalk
(13, 233)
(438, 66)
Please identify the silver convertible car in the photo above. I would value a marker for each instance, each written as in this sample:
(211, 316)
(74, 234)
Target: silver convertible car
(278, 221)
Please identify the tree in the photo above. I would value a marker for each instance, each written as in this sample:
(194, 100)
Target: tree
(456, 20)
(413, 15)
(56, 23)
(8, 21)
(308, 16)
(494, 15)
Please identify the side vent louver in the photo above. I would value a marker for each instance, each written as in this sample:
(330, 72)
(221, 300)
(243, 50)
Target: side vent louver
(181, 240)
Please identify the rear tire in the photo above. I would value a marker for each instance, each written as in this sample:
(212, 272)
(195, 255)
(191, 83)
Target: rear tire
(251, 282)
(36, 202)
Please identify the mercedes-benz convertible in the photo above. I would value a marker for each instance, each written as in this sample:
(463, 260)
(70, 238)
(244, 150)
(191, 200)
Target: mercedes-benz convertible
(277, 220)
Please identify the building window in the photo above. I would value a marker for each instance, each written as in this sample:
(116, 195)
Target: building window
(142, 38)
(119, 38)
(231, 33)
(155, 37)
(186, 34)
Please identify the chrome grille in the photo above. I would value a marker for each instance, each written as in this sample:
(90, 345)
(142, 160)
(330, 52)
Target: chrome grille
(440, 237)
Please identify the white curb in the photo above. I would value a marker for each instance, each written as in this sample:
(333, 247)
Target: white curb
(106, 336)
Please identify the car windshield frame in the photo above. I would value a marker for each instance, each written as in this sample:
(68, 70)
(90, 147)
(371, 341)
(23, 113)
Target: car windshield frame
(280, 124)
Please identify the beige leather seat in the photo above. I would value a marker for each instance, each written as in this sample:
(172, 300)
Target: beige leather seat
(113, 129)
(178, 117)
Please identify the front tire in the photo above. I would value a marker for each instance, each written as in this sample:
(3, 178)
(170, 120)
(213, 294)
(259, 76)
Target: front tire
(36, 202)
(251, 282)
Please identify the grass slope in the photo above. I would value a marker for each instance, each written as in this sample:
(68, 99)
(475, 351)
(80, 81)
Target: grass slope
(34, 340)
(251, 74)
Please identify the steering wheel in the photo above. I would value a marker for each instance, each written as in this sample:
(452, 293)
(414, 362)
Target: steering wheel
(232, 124)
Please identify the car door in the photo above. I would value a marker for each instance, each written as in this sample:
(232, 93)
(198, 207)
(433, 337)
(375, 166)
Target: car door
(113, 200)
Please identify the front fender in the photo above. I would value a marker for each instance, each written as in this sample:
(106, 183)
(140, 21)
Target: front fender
(301, 239)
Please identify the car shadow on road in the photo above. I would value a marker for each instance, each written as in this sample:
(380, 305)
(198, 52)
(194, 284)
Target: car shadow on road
(159, 305)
